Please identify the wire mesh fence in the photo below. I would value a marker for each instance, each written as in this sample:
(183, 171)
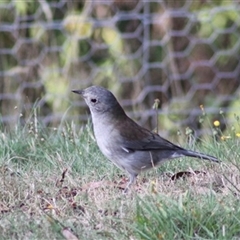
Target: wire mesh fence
(184, 53)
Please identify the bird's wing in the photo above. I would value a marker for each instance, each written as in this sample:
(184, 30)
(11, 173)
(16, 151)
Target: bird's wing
(151, 142)
(141, 139)
(134, 137)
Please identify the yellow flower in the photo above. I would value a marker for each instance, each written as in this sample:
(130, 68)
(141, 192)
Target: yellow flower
(225, 137)
(238, 134)
(216, 123)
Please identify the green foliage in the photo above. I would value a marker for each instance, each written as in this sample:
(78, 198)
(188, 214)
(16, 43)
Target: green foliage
(77, 26)
(24, 7)
(70, 44)
(234, 115)
(211, 19)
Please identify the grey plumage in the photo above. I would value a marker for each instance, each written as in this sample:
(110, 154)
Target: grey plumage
(128, 145)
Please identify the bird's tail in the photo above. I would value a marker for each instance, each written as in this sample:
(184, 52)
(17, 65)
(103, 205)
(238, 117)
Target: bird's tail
(189, 153)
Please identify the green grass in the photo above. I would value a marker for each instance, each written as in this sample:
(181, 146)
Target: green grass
(54, 181)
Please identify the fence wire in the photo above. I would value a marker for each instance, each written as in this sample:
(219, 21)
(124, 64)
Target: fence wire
(184, 53)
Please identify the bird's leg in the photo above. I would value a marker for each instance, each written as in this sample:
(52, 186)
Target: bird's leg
(131, 181)
(151, 159)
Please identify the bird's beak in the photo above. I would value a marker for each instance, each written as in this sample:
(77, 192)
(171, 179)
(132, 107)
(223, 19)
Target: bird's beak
(78, 91)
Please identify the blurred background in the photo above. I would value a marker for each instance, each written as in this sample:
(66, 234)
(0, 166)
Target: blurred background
(184, 53)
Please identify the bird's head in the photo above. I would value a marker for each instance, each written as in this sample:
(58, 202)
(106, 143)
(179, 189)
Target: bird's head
(99, 99)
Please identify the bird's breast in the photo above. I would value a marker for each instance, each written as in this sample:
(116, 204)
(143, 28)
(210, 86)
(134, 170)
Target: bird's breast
(105, 137)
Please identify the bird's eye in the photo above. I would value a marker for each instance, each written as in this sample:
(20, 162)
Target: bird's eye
(93, 100)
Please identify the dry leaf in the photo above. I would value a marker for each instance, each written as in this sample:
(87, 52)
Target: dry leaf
(185, 174)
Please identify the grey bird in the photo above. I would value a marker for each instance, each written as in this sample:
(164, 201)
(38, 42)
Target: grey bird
(124, 142)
